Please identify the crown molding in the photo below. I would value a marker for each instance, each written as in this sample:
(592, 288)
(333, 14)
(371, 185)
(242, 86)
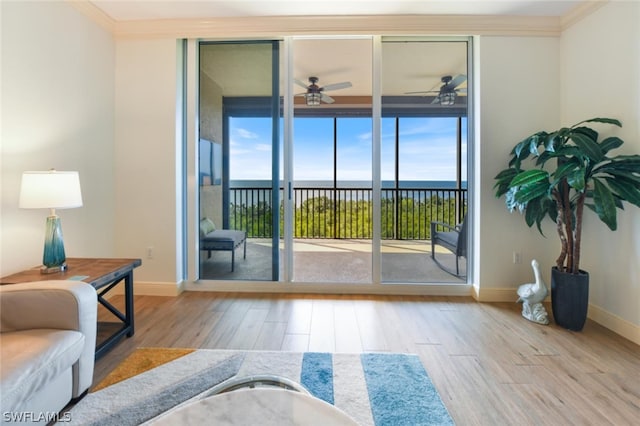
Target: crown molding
(95, 14)
(580, 12)
(343, 25)
(278, 26)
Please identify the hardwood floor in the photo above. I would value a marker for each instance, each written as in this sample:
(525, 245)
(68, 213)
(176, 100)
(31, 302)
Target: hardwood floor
(490, 365)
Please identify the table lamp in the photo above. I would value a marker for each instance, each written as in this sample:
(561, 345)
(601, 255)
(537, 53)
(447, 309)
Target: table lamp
(51, 190)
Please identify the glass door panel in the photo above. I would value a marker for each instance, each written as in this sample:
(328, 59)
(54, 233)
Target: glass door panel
(332, 150)
(423, 165)
(238, 160)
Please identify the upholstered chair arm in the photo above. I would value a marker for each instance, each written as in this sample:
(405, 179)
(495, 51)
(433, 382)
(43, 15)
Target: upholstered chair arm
(65, 305)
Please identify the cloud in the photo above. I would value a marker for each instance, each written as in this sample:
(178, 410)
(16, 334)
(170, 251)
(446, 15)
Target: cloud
(245, 134)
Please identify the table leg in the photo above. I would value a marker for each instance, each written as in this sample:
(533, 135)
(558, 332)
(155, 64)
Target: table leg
(126, 318)
(128, 300)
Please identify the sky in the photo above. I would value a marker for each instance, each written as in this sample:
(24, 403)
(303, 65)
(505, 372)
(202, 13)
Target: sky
(427, 148)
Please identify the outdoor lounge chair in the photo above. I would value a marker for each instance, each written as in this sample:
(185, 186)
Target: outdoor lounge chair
(453, 238)
(212, 239)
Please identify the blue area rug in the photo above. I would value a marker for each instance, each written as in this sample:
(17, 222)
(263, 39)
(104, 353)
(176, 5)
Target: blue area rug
(399, 389)
(372, 388)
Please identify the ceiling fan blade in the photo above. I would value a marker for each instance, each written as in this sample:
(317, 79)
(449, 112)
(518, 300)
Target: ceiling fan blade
(300, 83)
(464, 90)
(337, 86)
(436, 100)
(457, 81)
(327, 99)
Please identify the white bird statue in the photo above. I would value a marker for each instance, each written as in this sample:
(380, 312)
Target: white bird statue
(532, 295)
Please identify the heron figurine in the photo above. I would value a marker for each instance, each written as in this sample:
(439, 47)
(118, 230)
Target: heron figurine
(532, 295)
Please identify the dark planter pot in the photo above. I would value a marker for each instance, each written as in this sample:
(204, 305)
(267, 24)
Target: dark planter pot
(569, 298)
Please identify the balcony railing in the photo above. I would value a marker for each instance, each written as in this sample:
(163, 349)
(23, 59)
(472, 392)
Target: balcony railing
(346, 213)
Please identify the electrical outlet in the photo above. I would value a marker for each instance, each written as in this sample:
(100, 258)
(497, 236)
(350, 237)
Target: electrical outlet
(517, 257)
(149, 252)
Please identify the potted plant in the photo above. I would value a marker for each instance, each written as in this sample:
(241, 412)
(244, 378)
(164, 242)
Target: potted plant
(567, 170)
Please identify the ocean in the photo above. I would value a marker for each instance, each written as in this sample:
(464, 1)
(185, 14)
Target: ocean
(255, 192)
(351, 184)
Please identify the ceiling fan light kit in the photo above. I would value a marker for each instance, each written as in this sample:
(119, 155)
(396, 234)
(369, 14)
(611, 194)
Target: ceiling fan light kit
(315, 95)
(447, 93)
(447, 98)
(313, 99)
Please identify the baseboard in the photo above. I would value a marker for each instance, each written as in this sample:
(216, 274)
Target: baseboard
(606, 319)
(329, 288)
(614, 323)
(494, 294)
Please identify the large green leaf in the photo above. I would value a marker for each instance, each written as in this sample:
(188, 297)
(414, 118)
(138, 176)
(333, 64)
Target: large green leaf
(569, 151)
(529, 177)
(628, 192)
(532, 191)
(521, 150)
(586, 131)
(610, 143)
(631, 178)
(623, 163)
(589, 146)
(537, 210)
(534, 214)
(506, 174)
(503, 179)
(605, 204)
(576, 180)
(552, 141)
(601, 120)
(565, 169)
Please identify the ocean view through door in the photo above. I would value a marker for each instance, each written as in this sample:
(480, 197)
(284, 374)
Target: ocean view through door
(332, 161)
(345, 192)
(423, 157)
(238, 158)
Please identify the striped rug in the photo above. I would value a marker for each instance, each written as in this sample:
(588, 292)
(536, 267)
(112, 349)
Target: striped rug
(372, 388)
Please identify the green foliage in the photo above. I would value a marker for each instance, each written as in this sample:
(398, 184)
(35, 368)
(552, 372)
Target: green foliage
(322, 217)
(569, 169)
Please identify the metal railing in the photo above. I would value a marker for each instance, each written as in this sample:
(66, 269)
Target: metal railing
(346, 213)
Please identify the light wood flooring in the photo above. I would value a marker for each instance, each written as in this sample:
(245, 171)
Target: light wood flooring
(490, 365)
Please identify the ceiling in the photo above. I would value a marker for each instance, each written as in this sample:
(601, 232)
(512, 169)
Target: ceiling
(129, 10)
(406, 67)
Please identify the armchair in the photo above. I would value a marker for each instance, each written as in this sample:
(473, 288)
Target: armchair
(47, 347)
(454, 238)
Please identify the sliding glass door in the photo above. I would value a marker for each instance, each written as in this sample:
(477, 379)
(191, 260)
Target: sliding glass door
(238, 158)
(332, 157)
(424, 156)
(332, 160)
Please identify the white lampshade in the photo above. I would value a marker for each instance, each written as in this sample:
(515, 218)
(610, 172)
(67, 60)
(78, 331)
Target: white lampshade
(50, 190)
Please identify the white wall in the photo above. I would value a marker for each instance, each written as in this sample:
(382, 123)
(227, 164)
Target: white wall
(57, 112)
(145, 157)
(519, 95)
(601, 78)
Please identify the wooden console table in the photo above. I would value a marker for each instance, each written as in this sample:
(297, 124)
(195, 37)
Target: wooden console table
(103, 275)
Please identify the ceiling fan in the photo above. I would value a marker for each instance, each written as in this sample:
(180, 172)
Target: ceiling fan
(448, 91)
(315, 94)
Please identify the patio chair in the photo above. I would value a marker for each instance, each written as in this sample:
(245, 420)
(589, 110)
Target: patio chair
(453, 238)
(212, 239)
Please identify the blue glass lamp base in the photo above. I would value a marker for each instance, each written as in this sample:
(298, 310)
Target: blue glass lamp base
(53, 259)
